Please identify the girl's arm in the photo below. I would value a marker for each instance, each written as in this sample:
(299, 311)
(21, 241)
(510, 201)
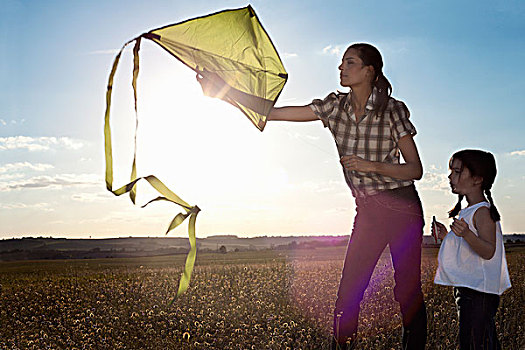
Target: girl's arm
(484, 244)
(212, 85)
(410, 170)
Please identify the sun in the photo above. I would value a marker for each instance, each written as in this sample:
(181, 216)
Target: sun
(204, 149)
(186, 137)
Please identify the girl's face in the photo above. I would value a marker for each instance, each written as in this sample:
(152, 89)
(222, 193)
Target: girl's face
(461, 180)
(353, 71)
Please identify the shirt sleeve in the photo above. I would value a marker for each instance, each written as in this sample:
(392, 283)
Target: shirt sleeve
(400, 123)
(325, 108)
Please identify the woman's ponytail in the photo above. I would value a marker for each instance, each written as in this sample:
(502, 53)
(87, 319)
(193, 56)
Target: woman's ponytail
(384, 90)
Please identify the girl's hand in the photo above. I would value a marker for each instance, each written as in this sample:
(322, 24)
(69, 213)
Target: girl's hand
(459, 227)
(441, 230)
(212, 85)
(356, 163)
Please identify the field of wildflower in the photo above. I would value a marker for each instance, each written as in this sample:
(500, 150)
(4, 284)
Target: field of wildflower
(238, 300)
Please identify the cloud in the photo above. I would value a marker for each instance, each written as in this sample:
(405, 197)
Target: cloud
(57, 181)
(336, 50)
(434, 180)
(4, 122)
(9, 177)
(38, 143)
(24, 165)
(518, 153)
(89, 197)
(38, 206)
(104, 52)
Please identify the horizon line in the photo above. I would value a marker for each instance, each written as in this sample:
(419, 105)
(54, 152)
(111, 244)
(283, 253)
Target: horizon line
(216, 235)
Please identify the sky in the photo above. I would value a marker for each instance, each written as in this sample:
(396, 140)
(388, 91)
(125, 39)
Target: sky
(458, 66)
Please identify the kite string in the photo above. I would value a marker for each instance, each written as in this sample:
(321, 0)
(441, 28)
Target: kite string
(335, 158)
(291, 134)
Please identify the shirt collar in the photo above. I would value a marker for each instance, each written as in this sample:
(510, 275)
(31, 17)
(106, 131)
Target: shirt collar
(369, 103)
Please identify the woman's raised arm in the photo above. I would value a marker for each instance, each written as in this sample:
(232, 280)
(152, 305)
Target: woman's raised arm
(293, 114)
(213, 86)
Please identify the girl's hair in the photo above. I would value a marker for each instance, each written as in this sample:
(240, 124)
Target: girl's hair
(372, 57)
(482, 164)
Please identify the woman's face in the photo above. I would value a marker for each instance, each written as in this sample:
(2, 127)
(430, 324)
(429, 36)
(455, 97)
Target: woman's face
(353, 72)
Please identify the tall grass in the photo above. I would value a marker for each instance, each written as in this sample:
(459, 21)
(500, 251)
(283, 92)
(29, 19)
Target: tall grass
(251, 300)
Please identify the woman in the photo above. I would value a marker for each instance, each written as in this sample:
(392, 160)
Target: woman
(370, 129)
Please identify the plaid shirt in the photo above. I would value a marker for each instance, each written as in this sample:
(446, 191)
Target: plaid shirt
(369, 137)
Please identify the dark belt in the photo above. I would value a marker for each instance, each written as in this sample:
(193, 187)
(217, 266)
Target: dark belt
(407, 192)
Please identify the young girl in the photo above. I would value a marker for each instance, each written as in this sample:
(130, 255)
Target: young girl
(371, 129)
(472, 256)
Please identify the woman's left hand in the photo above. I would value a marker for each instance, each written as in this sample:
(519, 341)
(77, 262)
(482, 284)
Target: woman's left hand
(211, 83)
(459, 227)
(356, 163)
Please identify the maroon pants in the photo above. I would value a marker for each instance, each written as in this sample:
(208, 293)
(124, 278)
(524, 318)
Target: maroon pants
(393, 218)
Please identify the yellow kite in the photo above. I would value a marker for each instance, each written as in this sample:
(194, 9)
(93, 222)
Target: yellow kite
(232, 44)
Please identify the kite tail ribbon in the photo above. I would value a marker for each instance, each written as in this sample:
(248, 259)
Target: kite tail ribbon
(167, 194)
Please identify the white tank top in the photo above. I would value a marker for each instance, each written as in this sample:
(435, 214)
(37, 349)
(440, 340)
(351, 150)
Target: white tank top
(460, 266)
